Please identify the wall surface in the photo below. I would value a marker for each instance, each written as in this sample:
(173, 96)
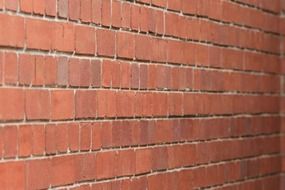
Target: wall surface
(144, 94)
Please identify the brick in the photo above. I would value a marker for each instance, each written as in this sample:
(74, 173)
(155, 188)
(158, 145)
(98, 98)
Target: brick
(86, 10)
(26, 69)
(64, 170)
(37, 104)
(79, 72)
(25, 141)
(85, 40)
(116, 13)
(106, 13)
(38, 140)
(39, 71)
(39, 7)
(96, 136)
(61, 137)
(50, 7)
(12, 175)
(73, 137)
(88, 167)
(126, 15)
(96, 75)
(26, 6)
(11, 5)
(85, 136)
(74, 9)
(10, 68)
(38, 175)
(39, 34)
(143, 160)
(14, 32)
(86, 104)
(12, 101)
(62, 8)
(125, 45)
(63, 37)
(142, 47)
(62, 71)
(105, 42)
(62, 104)
(105, 164)
(50, 71)
(96, 11)
(10, 135)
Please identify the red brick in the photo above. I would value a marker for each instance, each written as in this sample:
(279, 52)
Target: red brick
(12, 104)
(85, 40)
(25, 141)
(50, 139)
(61, 137)
(126, 15)
(11, 4)
(39, 7)
(73, 137)
(64, 170)
(26, 5)
(62, 8)
(96, 136)
(125, 75)
(10, 135)
(62, 104)
(85, 136)
(116, 13)
(105, 162)
(26, 69)
(74, 9)
(50, 7)
(13, 34)
(96, 11)
(96, 73)
(142, 47)
(39, 34)
(37, 104)
(38, 140)
(50, 70)
(79, 72)
(12, 175)
(126, 162)
(87, 169)
(125, 45)
(63, 37)
(86, 10)
(86, 104)
(62, 71)
(143, 160)
(38, 174)
(106, 12)
(105, 42)
(10, 68)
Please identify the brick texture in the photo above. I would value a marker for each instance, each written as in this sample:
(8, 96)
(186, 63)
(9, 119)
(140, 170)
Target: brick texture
(142, 95)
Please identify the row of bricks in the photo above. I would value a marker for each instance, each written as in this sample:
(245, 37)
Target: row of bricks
(226, 11)
(63, 170)
(37, 140)
(18, 104)
(273, 6)
(135, 17)
(267, 182)
(63, 71)
(206, 56)
(64, 37)
(88, 40)
(170, 183)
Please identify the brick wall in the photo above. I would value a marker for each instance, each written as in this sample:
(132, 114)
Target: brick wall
(144, 94)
